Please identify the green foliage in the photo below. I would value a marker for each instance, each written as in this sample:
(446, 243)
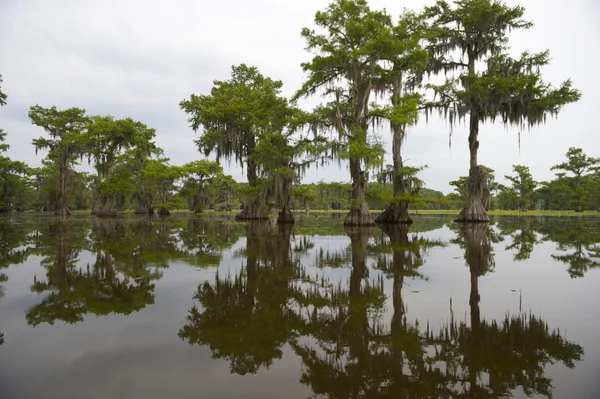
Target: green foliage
(576, 185)
(509, 89)
(199, 188)
(236, 113)
(65, 144)
(3, 95)
(107, 141)
(523, 187)
(345, 68)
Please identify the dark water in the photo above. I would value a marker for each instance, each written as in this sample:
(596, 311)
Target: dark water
(204, 307)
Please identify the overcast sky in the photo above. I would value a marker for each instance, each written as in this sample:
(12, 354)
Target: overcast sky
(138, 59)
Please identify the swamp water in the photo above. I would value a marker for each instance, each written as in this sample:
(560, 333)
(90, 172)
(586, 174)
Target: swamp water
(206, 307)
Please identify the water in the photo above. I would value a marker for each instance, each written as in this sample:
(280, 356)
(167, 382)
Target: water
(192, 307)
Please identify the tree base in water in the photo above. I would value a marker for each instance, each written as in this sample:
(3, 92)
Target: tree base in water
(359, 217)
(163, 211)
(473, 210)
(285, 216)
(252, 212)
(104, 213)
(475, 213)
(146, 211)
(396, 214)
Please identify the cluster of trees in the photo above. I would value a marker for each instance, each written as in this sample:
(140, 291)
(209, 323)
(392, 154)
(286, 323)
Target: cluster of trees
(576, 187)
(371, 71)
(361, 56)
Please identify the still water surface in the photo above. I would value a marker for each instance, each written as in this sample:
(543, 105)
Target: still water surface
(205, 307)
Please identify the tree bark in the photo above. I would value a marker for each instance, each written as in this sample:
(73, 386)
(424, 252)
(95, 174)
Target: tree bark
(104, 206)
(252, 211)
(473, 210)
(61, 203)
(163, 211)
(144, 210)
(252, 208)
(359, 214)
(285, 215)
(397, 212)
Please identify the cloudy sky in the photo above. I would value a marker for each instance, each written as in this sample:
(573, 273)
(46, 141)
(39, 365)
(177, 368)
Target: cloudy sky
(138, 59)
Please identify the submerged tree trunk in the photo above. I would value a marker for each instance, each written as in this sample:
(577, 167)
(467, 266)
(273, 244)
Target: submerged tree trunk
(285, 215)
(252, 211)
(144, 210)
(143, 205)
(104, 206)
(477, 184)
(359, 214)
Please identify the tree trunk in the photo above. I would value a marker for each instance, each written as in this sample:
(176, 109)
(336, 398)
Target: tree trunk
(143, 206)
(523, 208)
(252, 211)
(144, 210)
(61, 203)
(397, 212)
(104, 206)
(359, 214)
(163, 211)
(473, 210)
(252, 208)
(285, 215)
(579, 208)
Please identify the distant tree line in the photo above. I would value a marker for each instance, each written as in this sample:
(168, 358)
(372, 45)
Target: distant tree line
(576, 187)
(371, 71)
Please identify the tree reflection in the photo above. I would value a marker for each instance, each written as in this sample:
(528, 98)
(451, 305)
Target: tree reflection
(489, 359)
(245, 319)
(522, 234)
(203, 240)
(348, 352)
(100, 288)
(578, 241)
(344, 325)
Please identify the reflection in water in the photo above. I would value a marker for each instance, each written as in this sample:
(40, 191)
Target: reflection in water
(578, 241)
(339, 310)
(489, 359)
(128, 257)
(522, 234)
(340, 333)
(245, 319)
(108, 285)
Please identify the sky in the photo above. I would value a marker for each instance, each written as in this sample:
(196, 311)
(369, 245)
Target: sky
(139, 59)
